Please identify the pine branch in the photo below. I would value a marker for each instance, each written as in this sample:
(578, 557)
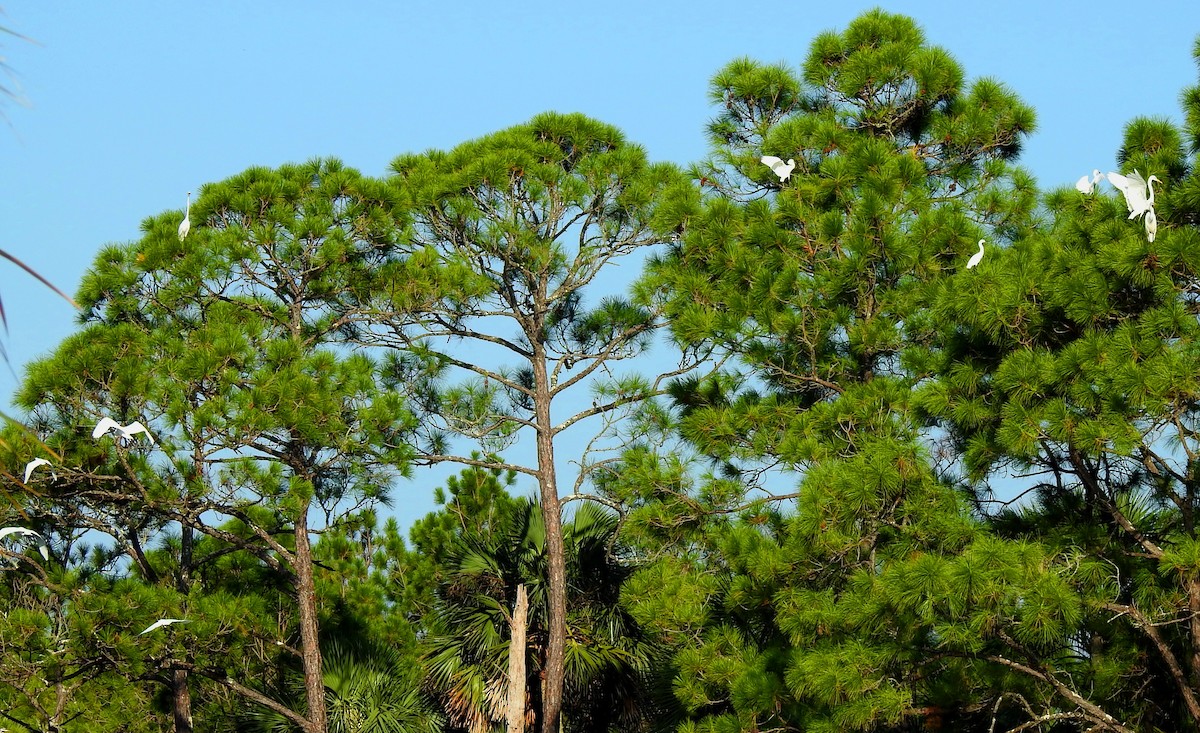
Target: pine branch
(1164, 651)
(222, 678)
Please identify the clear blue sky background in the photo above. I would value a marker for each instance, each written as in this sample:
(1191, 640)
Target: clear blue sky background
(131, 104)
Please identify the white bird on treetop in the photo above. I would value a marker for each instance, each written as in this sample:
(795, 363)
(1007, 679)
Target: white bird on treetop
(185, 226)
(1139, 194)
(975, 258)
(34, 464)
(123, 431)
(783, 170)
(1151, 224)
(1086, 185)
(163, 622)
(45, 552)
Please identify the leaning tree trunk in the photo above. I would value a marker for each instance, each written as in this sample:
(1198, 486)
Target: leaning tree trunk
(515, 711)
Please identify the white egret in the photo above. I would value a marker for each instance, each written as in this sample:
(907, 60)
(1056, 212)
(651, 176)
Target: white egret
(1151, 224)
(34, 464)
(185, 226)
(977, 257)
(783, 170)
(123, 431)
(1087, 186)
(1139, 194)
(25, 531)
(163, 622)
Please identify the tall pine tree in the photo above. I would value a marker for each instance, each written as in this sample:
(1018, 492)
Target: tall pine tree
(221, 345)
(509, 236)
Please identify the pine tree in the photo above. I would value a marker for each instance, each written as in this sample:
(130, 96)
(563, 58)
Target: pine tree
(816, 288)
(1073, 361)
(55, 669)
(511, 231)
(221, 345)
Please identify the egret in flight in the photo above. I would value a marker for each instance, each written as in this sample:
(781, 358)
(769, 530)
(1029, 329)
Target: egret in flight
(977, 257)
(783, 170)
(1139, 193)
(25, 531)
(163, 622)
(185, 226)
(123, 431)
(34, 464)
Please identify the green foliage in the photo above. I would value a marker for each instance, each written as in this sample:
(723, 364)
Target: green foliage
(467, 648)
(258, 416)
(878, 595)
(514, 226)
(368, 690)
(807, 538)
(1072, 360)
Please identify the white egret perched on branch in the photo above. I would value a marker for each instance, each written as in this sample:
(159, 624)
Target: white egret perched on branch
(1151, 224)
(185, 226)
(163, 622)
(977, 257)
(783, 170)
(34, 464)
(123, 431)
(1086, 185)
(25, 531)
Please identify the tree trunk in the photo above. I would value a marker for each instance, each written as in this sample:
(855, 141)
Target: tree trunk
(556, 565)
(310, 650)
(556, 582)
(515, 713)
(61, 696)
(1193, 590)
(181, 701)
(181, 696)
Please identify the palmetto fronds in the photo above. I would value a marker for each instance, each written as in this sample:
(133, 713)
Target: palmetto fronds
(365, 692)
(469, 641)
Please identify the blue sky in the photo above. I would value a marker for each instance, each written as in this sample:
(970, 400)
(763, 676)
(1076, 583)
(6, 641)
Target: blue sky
(132, 104)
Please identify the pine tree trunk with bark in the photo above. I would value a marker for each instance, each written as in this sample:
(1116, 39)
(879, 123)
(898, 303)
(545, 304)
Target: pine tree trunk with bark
(310, 649)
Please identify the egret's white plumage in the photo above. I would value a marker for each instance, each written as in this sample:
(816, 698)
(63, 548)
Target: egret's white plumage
(25, 531)
(1138, 191)
(1088, 185)
(34, 464)
(185, 226)
(163, 622)
(1151, 224)
(783, 170)
(977, 257)
(123, 431)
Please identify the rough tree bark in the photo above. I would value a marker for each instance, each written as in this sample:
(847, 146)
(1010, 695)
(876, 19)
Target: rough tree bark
(306, 597)
(556, 564)
(515, 712)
